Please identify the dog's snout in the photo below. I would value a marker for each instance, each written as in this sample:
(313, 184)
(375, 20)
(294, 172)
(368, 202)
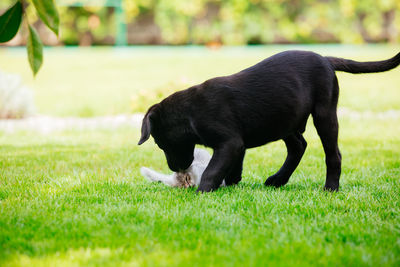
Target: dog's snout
(173, 167)
(178, 165)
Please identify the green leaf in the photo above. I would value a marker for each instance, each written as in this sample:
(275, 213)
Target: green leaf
(35, 50)
(48, 13)
(10, 22)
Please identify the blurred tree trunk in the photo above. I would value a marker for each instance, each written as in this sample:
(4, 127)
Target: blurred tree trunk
(388, 28)
(86, 39)
(361, 27)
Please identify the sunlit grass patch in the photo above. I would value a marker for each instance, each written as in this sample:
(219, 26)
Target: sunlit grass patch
(77, 198)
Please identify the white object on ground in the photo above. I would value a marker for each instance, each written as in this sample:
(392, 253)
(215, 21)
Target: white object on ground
(195, 171)
(16, 100)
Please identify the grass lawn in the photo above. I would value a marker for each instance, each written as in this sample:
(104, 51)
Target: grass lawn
(76, 197)
(102, 81)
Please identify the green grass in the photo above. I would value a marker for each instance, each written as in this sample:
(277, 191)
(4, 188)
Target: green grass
(76, 197)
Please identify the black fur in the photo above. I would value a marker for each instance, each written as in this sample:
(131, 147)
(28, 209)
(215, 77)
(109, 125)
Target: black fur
(269, 101)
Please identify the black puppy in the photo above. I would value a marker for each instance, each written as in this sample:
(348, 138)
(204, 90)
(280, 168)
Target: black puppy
(269, 101)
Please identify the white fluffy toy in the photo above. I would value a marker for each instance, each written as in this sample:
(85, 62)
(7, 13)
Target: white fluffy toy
(188, 178)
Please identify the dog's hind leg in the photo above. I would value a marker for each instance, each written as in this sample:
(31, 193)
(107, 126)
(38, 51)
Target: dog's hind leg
(296, 145)
(327, 128)
(235, 175)
(326, 123)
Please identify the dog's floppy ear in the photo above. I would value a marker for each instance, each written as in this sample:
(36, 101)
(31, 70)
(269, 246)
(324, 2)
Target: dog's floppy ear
(146, 124)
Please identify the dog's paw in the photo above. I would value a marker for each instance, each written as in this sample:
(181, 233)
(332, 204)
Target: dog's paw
(205, 189)
(234, 181)
(331, 187)
(276, 180)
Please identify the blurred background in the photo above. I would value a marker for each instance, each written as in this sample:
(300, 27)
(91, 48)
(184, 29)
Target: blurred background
(220, 22)
(120, 56)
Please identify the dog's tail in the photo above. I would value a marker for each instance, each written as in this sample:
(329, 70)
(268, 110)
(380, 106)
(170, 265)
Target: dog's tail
(351, 66)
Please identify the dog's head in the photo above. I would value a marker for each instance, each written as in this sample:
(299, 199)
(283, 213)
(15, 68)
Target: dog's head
(171, 132)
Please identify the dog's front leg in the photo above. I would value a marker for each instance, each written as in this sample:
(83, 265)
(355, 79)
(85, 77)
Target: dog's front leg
(220, 165)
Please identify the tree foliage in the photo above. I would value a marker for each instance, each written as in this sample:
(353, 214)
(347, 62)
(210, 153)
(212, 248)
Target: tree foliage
(11, 19)
(231, 22)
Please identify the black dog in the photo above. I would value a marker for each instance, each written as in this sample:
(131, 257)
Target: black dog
(269, 101)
